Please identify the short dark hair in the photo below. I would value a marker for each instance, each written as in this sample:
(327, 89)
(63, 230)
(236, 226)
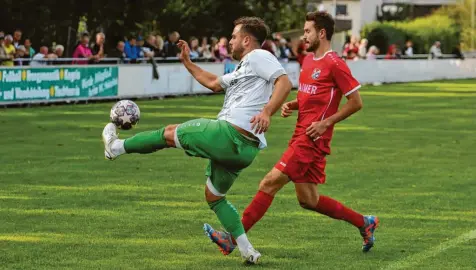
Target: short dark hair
(322, 20)
(254, 26)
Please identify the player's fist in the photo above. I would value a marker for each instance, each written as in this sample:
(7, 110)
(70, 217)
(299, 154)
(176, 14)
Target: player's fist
(184, 50)
(316, 129)
(286, 110)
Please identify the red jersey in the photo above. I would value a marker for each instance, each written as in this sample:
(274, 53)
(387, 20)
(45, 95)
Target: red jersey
(322, 83)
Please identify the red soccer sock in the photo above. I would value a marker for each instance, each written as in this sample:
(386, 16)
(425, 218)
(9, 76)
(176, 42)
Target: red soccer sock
(256, 210)
(334, 209)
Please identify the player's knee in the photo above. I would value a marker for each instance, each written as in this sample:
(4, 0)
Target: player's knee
(210, 197)
(169, 134)
(270, 184)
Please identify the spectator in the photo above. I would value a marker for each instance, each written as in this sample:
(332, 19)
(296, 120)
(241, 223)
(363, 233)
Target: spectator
(10, 50)
(194, 49)
(3, 53)
(20, 53)
(57, 53)
(42, 55)
(214, 48)
(373, 52)
(17, 38)
(457, 52)
(131, 49)
(119, 52)
(140, 45)
(98, 48)
(30, 52)
(205, 50)
(363, 48)
(159, 43)
(289, 47)
(83, 51)
(392, 52)
(409, 48)
(150, 47)
(301, 51)
(223, 49)
(170, 47)
(435, 50)
(351, 49)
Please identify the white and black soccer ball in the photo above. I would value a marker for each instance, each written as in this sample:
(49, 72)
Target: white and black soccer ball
(125, 114)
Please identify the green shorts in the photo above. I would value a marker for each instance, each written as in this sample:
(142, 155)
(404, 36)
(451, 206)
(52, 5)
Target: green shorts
(228, 150)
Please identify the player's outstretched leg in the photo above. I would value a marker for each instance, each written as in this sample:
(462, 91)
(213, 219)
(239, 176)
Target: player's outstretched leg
(310, 199)
(230, 220)
(143, 143)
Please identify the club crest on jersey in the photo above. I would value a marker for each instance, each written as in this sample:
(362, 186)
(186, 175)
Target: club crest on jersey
(315, 73)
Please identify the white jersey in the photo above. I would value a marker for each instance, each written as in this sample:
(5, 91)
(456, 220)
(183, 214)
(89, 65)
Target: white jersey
(249, 88)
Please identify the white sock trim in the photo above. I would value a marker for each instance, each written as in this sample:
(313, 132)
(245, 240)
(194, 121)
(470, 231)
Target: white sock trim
(176, 140)
(117, 147)
(212, 189)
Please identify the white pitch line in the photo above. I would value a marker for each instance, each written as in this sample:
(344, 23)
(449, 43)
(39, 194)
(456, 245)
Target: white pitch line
(419, 257)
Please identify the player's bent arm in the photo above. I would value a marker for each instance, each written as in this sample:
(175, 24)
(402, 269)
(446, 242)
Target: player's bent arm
(205, 78)
(353, 105)
(282, 88)
(293, 104)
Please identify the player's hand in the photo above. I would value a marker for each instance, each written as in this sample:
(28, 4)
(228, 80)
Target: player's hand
(260, 122)
(316, 129)
(185, 50)
(286, 110)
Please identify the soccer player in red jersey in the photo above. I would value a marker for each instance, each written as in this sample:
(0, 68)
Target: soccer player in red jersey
(324, 79)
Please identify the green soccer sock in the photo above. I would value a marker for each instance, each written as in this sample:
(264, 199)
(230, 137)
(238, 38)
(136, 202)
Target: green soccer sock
(146, 142)
(228, 216)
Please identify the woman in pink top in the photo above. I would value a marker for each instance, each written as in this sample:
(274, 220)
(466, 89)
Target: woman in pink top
(223, 49)
(83, 51)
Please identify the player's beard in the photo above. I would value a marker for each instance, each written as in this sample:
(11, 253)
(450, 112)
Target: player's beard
(237, 52)
(313, 46)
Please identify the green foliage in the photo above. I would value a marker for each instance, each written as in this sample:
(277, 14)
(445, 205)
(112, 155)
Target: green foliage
(422, 31)
(461, 14)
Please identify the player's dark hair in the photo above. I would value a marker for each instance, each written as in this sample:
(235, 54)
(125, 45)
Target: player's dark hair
(254, 26)
(322, 20)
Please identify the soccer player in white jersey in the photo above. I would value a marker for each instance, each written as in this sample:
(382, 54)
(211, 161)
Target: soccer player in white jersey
(254, 91)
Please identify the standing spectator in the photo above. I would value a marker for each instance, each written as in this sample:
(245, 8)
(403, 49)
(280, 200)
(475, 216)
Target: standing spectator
(373, 52)
(30, 52)
(17, 38)
(83, 51)
(363, 48)
(435, 50)
(301, 51)
(159, 43)
(98, 48)
(57, 53)
(214, 48)
(289, 47)
(223, 49)
(351, 49)
(194, 49)
(205, 50)
(131, 49)
(409, 48)
(10, 50)
(3, 53)
(150, 47)
(170, 47)
(41, 55)
(119, 52)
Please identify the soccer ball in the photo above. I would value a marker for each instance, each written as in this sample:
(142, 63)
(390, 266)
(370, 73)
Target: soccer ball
(125, 114)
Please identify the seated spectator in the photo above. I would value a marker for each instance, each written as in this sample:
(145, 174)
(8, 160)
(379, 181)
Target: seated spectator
(119, 52)
(10, 50)
(83, 51)
(42, 55)
(170, 47)
(373, 52)
(132, 50)
(98, 48)
(194, 52)
(435, 50)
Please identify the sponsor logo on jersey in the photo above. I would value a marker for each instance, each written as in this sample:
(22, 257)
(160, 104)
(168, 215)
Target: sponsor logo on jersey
(308, 88)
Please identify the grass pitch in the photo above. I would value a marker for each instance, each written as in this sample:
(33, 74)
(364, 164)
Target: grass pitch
(408, 157)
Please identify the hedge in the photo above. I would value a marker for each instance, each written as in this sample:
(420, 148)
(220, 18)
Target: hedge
(422, 31)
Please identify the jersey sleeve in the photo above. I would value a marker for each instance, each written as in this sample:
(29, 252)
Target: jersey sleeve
(225, 80)
(343, 78)
(266, 65)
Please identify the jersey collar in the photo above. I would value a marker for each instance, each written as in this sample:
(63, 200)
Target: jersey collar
(315, 59)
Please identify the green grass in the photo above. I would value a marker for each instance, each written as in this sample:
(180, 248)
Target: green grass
(408, 157)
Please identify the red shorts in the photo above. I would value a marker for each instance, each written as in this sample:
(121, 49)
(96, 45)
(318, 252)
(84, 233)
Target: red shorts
(303, 162)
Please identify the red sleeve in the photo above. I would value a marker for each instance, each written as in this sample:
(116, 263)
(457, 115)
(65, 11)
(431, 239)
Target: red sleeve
(343, 78)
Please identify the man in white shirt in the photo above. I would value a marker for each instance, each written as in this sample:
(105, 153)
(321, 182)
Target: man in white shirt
(37, 59)
(254, 91)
